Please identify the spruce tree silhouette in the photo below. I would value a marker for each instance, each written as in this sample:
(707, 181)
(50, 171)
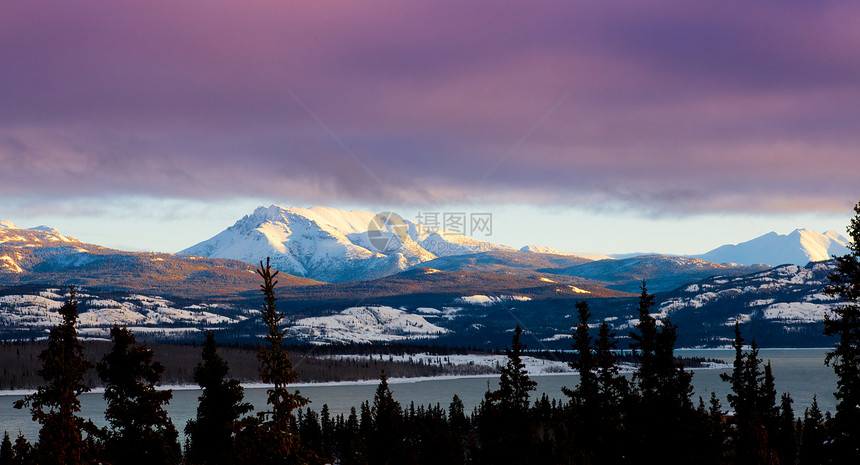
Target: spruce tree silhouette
(664, 389)
(753, 399)
(140, 431)
(55, 404)
(504, 428)
(597, 403)
(6, 450)
(514, 382)
(845, 357)
(813, 437)
(210, 435)
(385, 442)
(271, 436)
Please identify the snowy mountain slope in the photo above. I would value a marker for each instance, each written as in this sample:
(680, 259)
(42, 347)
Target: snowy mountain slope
(540, 249)
(332, 245)
(33, 314)
(799, 247)
(785, 303)
(787, 292)
(364, 324)
(44, 256)
(780, 307)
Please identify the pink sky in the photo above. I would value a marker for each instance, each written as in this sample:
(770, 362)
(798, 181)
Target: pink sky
(671, 107)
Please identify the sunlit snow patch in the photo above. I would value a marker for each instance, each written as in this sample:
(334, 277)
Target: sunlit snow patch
(365, 324)
(480, 299)
(800, 312)
(8, 264)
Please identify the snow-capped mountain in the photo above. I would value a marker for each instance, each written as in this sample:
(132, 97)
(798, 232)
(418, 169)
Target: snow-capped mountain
(44, 256)
(334, 245)
(17, 245)
(799, 247)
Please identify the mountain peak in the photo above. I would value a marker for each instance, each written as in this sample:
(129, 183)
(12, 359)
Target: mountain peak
(333, 245)
(799, 247)
(46, 229)
(539, 249)
(8, 225)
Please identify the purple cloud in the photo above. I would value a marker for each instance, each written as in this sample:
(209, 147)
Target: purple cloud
(677, 107)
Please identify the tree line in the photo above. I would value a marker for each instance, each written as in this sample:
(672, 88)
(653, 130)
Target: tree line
(20, 362)
(606, 418)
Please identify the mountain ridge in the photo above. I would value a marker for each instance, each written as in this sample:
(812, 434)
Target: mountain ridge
(333, 245)
(799, 247)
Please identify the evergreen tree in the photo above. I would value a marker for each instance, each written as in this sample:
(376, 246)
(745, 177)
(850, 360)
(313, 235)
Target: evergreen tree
(385, 444)
(351, 450)
(584, 399)
(714, 442)
(310, 431)
(585, 394)
(845, 358)
(210, 435)
(459, 426)
(786, 444)
(6, 450)
(514, 382)
(55, 404)
(597, 401)
(271, 437)
(140, 430)
(740, 398)
(665, 407)
(644, 347)
(328, 426)
(753, 399)
(22, 452)
(613, 388)
(813, 436)
(767, 404)
(504, 432)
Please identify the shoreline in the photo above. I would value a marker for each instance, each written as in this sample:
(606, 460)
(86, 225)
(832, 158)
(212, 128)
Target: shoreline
(360, 382)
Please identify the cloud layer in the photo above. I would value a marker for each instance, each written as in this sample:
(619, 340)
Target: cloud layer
(670, 106)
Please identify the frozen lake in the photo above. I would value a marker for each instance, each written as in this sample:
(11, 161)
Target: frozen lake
(799, 371)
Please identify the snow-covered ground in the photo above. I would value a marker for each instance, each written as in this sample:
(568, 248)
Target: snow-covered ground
(480, 299)
(139, 311)
(366, 324)
(803, 312)
(787, 293)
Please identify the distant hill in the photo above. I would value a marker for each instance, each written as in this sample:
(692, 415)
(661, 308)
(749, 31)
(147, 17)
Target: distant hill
(44, 256)
(505, 262)
(662, 272)
(783, 306)
(799, 247)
